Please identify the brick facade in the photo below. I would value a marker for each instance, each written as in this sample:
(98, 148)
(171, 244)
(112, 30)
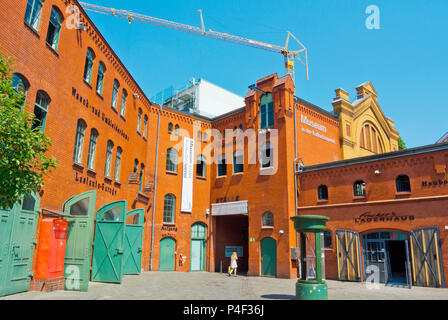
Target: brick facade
(60, 74)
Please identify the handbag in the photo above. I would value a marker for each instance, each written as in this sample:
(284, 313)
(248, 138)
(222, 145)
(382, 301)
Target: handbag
(230, 269)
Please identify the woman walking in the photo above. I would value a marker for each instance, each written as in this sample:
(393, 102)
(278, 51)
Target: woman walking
(233, 264)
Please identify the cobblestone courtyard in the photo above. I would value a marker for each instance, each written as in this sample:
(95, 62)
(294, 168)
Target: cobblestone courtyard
(216, 286)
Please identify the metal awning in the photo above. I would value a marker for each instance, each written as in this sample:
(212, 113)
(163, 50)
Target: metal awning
(229, 208)
(48, 212)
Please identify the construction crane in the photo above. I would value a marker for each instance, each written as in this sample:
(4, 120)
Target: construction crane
(289, 55)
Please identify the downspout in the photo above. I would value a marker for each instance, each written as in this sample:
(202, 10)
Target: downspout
(294, 166)
(155, 189)
(299, 271)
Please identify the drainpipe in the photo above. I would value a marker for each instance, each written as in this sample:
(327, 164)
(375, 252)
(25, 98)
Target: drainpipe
(155, 189)
(295, 181)
(294, 166)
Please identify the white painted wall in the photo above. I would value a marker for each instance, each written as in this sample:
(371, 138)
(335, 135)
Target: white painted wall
(214, 100)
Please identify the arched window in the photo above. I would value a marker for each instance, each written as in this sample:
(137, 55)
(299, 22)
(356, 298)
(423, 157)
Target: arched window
(359, 188)
(100, 78)
(110, 147)
(403, 183)
(135, 165)
(169, 207)
(204, 137)
(139, 119)
(92, 149)
(322, 192)
(118, 164)
(88, 67)
(170, 128)
(171, 160)
(124, 96)
(115, 93)
(33, 12)
(79, 140)
(266, 111)
(54, 28)
(199, 135)
(370, 138)
(21, 85)
(40, 110)
(268, 219)
(142, 168)
(222, 165)
(238, 161)
(145, 125)
(176, 130)
(201, 166)
(266, 155)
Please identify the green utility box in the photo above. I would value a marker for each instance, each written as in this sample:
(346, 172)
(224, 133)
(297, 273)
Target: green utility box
(306, 226)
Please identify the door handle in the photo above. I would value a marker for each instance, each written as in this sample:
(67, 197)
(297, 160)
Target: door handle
(139, 250)
(119, 251)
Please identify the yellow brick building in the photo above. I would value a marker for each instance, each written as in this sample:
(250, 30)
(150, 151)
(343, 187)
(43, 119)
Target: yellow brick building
(364, 129)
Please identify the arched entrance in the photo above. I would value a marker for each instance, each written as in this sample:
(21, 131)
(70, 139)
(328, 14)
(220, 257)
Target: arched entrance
(108, 250)
(268, 257)
(166, 254)
(17, 235)
(133, 242)
(81, 213)
(197, 249)
(386, 252)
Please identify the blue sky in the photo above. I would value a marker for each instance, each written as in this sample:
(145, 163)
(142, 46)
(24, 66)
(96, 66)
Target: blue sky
(406, 59)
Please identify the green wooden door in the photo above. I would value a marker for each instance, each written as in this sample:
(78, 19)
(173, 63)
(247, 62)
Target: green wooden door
(197, 249)
(166, 254)
(268, 257)
(18, 236)
(108, 247)
(133, 242)
(81, 210)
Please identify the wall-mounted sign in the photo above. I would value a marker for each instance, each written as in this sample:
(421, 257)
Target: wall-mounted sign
(232, 249)
(187, 176)
(382, 217)
(316, 126)
(434, 183)
(93, 183)
(98, 113)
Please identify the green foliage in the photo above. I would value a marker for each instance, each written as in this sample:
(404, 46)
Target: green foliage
(23, 159)
(401, 144)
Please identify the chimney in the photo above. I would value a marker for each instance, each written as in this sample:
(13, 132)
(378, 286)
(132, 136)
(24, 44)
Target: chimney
(341, 94)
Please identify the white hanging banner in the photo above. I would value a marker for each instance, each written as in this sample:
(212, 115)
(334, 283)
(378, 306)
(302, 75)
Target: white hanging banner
(187, 178)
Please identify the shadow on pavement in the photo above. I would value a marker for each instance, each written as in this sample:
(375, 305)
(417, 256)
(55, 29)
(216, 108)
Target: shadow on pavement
(279, 296)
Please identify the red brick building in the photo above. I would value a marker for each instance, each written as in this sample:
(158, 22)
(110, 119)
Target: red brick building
(119, 157)
(387, 211)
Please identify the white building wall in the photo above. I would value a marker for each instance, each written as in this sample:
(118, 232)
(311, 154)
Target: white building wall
(214, 100)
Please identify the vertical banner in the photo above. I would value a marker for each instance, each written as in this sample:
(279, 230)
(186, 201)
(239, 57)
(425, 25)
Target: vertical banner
(187, 178)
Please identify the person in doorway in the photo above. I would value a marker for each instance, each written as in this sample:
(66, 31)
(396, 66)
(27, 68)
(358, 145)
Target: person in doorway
(233, 264)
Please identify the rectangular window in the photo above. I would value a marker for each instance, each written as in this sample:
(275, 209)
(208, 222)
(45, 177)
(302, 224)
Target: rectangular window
(347, 127)
(92, 150)
(33, 12)
(368, 145)
(327, 240)
(124, 96)
(54, 29)
(115, 94)
(110, 146)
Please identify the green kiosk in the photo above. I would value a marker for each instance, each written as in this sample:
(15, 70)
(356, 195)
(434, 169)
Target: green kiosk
(315, 289)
